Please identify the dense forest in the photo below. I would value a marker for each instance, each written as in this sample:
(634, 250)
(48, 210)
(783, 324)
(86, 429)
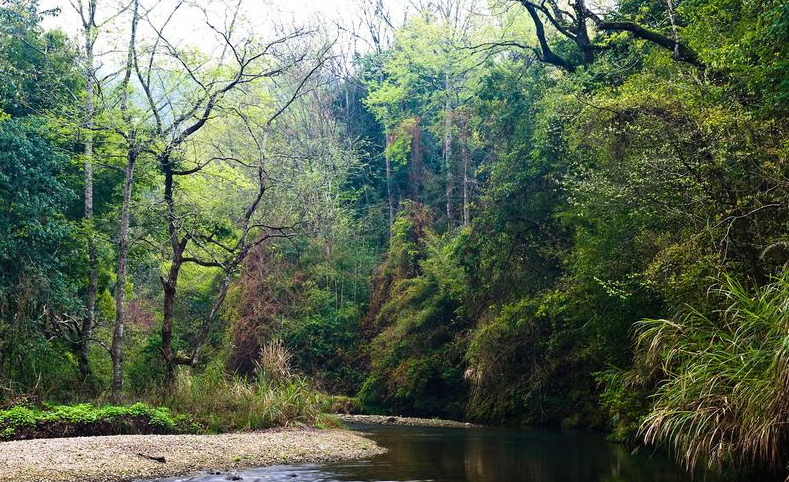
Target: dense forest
(509, 212)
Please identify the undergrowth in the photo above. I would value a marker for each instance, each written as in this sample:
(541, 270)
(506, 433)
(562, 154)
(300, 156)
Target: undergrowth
(273, 396)
(723, 396)
(23, 422)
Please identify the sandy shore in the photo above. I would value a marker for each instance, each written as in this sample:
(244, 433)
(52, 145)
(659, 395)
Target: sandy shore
(125, 458)
(413, 421)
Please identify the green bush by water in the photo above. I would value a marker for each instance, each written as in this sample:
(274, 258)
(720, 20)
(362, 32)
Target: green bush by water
(722, 396)
(22, 422)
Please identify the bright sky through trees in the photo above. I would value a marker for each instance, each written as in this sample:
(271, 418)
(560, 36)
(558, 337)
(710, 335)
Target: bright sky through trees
(263, 13)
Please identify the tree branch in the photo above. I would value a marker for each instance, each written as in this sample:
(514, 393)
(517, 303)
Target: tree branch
(679, 50)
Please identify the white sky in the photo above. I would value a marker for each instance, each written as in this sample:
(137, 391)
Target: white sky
(321, 12)
(299, 9)
(188, 28)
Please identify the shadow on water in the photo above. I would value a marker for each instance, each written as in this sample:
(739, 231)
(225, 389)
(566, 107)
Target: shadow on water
(478, 455)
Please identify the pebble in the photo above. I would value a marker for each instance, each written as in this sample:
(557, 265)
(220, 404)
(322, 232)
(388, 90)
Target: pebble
(127, 458)
(412, 421)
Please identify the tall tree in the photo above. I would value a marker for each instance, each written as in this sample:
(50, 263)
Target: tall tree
(87, 12)
(133, 147)
(90, 30)
(181, 111)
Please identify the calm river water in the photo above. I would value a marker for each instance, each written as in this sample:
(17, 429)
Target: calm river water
(419, 454)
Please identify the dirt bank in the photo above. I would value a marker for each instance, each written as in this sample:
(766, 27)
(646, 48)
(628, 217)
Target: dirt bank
(124, 458)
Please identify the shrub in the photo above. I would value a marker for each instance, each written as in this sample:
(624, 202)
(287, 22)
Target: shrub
(416, 358)
(21, 422)
(724, 398)
(274, 361)
(273, 396)
(345, 405)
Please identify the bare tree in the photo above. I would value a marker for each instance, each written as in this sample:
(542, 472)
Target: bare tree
(253, 230)
(129, 134)
(87, 13)
(179, 112)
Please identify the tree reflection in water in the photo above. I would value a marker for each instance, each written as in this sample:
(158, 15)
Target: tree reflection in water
(419, 454)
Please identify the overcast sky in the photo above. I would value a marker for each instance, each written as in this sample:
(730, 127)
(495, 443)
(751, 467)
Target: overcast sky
(300, 9)
(189, 25)
(326, 12)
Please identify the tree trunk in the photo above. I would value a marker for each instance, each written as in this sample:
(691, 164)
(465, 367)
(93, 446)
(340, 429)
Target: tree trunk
(448, 147)
(466, 162)
(116, 351)
(86, 331)
(582, 36)
(171, 283)
(167, 323)
(389, 196)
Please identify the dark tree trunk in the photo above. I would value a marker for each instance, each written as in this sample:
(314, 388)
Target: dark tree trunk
(116, 351)
(167, 325)
(170, 284)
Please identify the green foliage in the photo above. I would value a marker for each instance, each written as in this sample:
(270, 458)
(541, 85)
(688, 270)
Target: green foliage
(222, 402)
(21, 422)
(310, 300)
(35, 240)
(748, 41)
(416, 357)
(722, 398)
(614, 193)
(31, 197)
(38, 72)
(323, 339)
(627, 404)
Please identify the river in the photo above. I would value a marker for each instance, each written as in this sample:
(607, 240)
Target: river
(419, 454)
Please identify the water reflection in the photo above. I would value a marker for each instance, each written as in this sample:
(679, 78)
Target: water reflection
(479, 455)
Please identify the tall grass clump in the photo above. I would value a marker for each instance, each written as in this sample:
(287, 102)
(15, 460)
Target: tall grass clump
(724, 398)
(273, 396)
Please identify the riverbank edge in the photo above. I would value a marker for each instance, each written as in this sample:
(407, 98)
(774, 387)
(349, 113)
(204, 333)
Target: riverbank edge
(128, 458)
(407, 421)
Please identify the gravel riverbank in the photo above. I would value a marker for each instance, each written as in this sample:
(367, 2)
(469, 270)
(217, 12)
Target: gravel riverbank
(413, 421)
(124, 458)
